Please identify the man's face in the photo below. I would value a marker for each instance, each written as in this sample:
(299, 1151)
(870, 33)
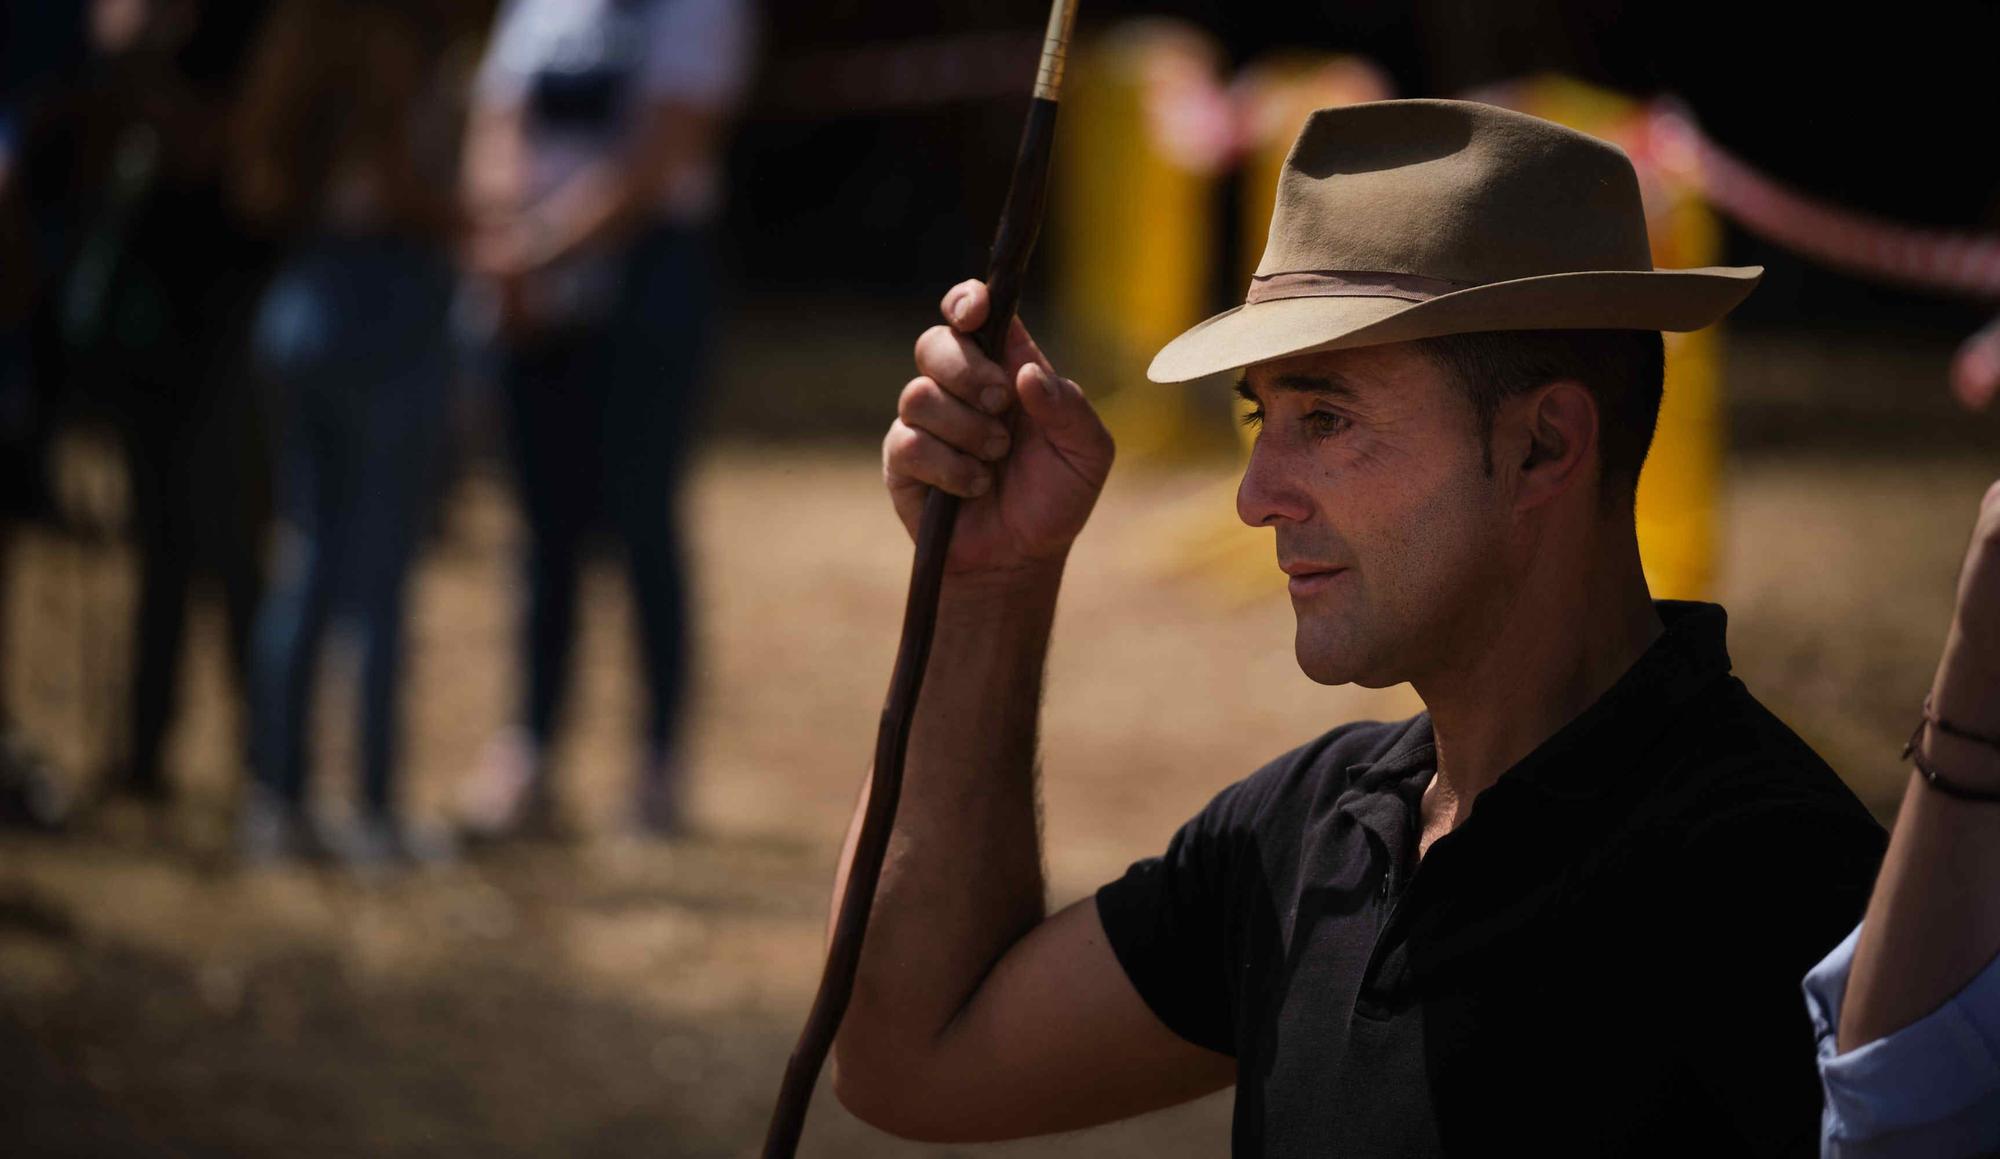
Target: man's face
(1368, 464)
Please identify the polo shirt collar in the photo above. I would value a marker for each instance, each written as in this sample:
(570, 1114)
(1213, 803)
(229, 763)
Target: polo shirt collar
(1690, 653)
(1563, 798)
(1382, 796)
(1687, 657)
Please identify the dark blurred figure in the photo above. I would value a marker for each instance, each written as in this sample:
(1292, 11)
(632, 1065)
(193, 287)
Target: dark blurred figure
(141, 326)
(592, 180)
(40, 46)
(347, 148)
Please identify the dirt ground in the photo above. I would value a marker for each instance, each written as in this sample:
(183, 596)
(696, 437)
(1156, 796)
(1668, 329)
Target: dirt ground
(610, 998)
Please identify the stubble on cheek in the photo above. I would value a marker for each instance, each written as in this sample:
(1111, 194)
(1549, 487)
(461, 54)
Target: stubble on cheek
(1453, 566)
(1415, 580)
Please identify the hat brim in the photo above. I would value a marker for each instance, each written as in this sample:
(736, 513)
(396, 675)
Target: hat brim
(1581, 300)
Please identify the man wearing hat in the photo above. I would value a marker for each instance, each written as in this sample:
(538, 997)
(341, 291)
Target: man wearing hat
(1565, 910)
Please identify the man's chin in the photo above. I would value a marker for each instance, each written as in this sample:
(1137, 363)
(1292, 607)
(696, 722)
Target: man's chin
(1334, 678)
(1335, 657)
(1331, 666)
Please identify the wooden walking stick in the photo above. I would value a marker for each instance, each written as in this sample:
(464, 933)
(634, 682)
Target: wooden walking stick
(1013, 242)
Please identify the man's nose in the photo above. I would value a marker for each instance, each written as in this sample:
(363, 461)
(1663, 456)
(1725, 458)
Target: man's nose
(1269, 493)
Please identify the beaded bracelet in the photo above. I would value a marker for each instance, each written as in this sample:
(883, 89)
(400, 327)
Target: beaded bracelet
(1913, 752)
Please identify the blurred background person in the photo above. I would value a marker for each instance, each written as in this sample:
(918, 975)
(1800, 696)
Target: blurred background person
(39, 51)
(345, 150)
(592, 181)
(139, 328)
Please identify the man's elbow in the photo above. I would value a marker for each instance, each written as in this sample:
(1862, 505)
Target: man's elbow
(890, 1099)
(874, 1103)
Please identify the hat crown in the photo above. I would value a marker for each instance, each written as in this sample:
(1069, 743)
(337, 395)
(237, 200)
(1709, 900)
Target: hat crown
(1453, 190)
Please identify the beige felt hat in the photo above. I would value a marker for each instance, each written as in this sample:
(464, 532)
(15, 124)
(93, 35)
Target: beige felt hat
(1409, 219)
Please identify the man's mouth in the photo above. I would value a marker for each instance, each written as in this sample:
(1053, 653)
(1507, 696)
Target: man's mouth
(1310, 579)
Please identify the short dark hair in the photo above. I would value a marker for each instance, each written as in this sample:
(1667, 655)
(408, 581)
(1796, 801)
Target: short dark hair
(1624, 370)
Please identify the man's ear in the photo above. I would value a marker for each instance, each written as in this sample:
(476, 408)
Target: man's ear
(1554, 438)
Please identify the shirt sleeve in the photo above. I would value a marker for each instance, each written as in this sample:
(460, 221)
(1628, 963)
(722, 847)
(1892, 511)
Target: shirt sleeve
(1931, 1089)
(700, 51)
(1167, 920)
(1182, 925)
(511, 57)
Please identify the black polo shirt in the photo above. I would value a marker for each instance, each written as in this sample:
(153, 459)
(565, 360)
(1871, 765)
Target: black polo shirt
(1604, 959)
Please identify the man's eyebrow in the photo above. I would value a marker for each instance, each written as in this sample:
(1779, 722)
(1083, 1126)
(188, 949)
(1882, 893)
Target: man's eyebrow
(1300, 383)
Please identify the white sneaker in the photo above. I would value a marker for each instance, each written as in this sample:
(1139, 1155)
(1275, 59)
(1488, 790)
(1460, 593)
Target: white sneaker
(508, 794)
(271, 831)
(370, 844)
(659, 804)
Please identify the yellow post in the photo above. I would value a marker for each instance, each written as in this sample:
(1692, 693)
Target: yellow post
(1680, 488)
(1134, 181)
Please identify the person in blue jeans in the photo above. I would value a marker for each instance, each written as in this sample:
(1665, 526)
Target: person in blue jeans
(351, 334)
(592, 181)
(601, 423)
(352, 339)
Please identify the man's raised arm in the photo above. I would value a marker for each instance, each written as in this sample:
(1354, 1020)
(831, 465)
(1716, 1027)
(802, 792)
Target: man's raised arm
(975, 1016)
(1934, 921)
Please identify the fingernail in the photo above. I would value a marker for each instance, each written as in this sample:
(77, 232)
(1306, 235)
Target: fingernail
(996, 446)
(993, 399)
(1048, 383)
(957, 309)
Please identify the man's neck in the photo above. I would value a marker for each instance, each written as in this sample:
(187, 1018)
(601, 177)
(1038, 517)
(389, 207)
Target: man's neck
(1559, 645)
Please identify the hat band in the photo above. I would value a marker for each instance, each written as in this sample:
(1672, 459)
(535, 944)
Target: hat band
(1347, 284)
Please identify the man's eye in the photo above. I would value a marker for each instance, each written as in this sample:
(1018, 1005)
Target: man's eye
(1253, 418)
(1326, 424)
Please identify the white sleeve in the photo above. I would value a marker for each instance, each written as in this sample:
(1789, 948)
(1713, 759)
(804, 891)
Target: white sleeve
(1931, 1089)
(509, 63)
(700, 51)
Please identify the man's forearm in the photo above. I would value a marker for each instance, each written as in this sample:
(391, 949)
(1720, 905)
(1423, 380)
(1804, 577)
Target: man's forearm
(1934, 920)
(963, 877)
(606, 200)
